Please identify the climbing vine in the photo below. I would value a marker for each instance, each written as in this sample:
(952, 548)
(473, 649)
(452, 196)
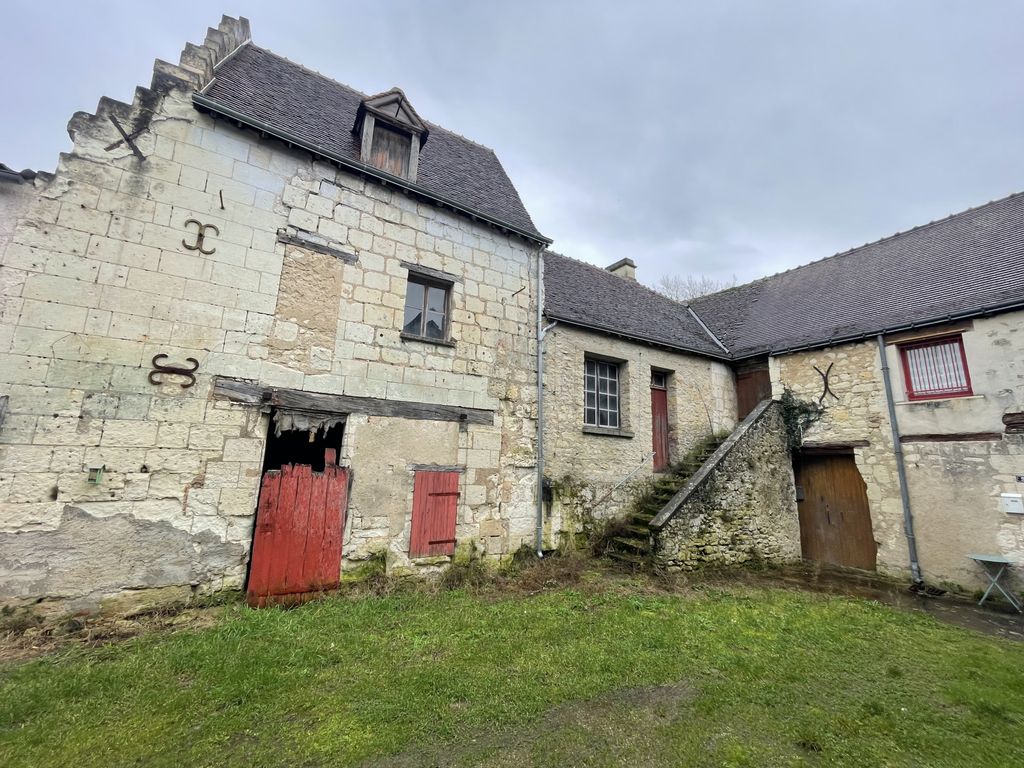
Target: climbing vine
(798, 415)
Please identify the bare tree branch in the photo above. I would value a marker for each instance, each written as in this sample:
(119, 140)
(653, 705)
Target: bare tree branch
(687, 287)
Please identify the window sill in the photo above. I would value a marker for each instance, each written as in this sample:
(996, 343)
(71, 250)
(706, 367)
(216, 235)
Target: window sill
(427, 340)
(929, 400)
(607, 432)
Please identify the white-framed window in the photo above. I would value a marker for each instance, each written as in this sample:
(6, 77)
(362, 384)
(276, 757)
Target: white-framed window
(936, 368)
(601, 394)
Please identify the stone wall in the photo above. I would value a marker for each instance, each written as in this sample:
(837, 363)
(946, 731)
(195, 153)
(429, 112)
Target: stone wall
(586, 466)
(954, 482)
(97, 281)
(739, 507)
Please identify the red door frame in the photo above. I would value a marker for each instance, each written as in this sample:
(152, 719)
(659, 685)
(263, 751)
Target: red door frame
(659, 427)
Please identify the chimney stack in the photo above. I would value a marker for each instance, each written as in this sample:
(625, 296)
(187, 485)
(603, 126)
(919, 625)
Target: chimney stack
(624, 268)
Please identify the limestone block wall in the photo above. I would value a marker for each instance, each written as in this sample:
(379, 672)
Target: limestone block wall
(97, 280)
(954, 482)
(701, 399)
(740, 506)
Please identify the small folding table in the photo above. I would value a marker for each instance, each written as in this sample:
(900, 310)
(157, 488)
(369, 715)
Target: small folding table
(995, 567)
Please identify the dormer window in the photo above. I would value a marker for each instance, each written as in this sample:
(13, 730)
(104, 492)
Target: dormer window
(392, 134)
(391, 149)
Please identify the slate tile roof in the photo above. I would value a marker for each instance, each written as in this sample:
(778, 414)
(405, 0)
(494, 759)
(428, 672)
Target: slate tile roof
(288, 97)
(582, 294)
(963, 264)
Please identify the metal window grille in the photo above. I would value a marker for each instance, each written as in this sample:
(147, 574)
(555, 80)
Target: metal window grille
(936, 369)
(601, 393)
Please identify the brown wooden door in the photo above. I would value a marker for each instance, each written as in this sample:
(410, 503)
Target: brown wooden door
(751, 388)
(659, 428)
(835, 521)
(296, 548)
(435, 499)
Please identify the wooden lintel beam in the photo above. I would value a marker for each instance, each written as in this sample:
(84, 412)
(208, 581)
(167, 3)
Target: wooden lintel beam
(952, 437)
(240, 391)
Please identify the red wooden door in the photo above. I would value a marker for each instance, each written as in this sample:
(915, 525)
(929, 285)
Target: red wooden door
(659, 428)
(752, 387)
(435, 499)
(296, 549)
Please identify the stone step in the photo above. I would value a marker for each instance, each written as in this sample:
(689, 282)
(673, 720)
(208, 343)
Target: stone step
(631, 544)
(637, 561)
(638, 530)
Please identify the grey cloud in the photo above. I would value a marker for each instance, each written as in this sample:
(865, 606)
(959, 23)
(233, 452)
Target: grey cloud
(725, 138)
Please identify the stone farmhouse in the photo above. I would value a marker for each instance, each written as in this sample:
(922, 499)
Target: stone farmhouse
(259, 327)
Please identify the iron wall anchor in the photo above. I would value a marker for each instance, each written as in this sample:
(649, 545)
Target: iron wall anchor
(159, 368)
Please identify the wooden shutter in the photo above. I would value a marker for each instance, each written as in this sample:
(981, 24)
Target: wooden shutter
(435, 501)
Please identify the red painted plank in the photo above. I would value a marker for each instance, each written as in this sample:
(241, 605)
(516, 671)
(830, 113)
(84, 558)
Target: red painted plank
(278, 566)
(262, 543)
(441, 537)
(310, 564)
(434, 511)
(296, 527)
(328, 571)
(298, 538)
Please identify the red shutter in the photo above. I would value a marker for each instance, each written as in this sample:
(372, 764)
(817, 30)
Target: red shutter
(435, 501)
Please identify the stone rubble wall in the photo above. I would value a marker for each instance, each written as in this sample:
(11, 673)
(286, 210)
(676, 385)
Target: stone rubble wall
(586, 467)
(96, 281)
(954, 485)
(740, 507)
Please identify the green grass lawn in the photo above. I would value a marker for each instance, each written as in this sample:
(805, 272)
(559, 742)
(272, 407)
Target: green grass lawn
(725, 676)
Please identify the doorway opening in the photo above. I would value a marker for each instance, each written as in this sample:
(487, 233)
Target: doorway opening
(835, 518)
(300, 438)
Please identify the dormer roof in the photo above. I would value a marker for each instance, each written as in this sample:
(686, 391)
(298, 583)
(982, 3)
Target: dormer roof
(394, 107)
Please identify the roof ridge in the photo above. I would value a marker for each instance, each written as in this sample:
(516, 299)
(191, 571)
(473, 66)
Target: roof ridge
(604, 271)
(433, 125)
(848, 251)
(464, 138)
(311, 71)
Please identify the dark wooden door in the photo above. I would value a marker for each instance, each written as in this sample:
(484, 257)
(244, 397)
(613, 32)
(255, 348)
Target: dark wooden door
(835, 520)
(752, 387)
(435, 500)
(296, 548)
(659, 428)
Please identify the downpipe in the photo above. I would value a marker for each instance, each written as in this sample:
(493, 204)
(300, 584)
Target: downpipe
(542, 331)
(901, 470)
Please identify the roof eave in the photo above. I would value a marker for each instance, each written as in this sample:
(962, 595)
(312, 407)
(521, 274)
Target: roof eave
(994, 309)
(636, 337)
(204, 103)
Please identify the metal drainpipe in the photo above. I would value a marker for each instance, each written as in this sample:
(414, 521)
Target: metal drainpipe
(908, 518)
(541, 333)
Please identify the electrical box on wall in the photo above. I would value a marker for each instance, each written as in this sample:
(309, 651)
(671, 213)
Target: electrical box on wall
(1012, 503)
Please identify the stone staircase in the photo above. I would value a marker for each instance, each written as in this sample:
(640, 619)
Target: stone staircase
(633, 544)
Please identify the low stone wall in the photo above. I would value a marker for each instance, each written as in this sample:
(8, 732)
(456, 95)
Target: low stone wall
(740, 506)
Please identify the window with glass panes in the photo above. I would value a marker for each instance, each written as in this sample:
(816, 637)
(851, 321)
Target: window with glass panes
(936, 368)
(601, 393)
(426, 309)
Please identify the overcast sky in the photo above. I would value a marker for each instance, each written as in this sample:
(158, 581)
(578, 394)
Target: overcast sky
(715, 137)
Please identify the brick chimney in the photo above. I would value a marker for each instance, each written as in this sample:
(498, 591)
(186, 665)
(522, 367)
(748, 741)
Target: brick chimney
(624, 268)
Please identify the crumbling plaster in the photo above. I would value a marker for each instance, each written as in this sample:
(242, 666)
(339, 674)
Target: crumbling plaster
(98, 280)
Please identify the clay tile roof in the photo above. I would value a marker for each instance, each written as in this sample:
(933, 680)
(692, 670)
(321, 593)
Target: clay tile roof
(287, 97)
(964, 264)
(585, 295)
